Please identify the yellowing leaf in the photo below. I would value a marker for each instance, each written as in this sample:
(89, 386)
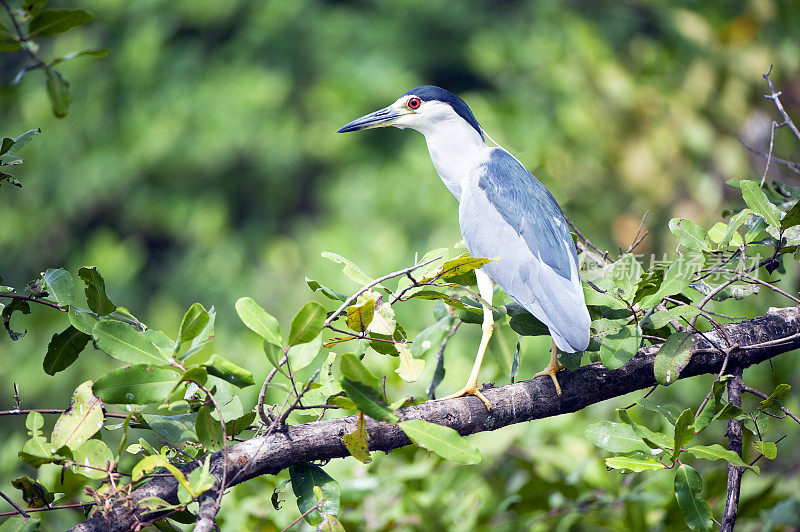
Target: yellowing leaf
(410, 369)
(359, 316)
(81, 421)
(357, 441)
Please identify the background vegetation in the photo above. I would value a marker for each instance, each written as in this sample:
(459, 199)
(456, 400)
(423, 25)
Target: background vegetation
(198, 162)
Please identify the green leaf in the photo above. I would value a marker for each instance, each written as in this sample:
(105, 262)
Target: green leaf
(696, 512)
(619, 347)
(258, 320)
(96, 296)
(792, 217)
(60, 286)
(304, 478)
(676, 278)
(670, 413)
(662, 318)
(80, 421)
(274, 354)
(430, 339)
(58, 92)
(502, 346)
(615, 437)
(19, 523)
(52, 21)
(194, 322)
(441, 440)
(300, 356)
(773, 403)
(626, 274)
(156, 461)
(226, 370)
(369, 400)
(718, 452)
(24, 139)
(64, 349)
(672, 357)
(122, 342)
(325, 291)
(712, 407)
(526, 324)
(691, 235)
(359, 316)
(410, 368)
(209, 430)
(350, 270)
(6, 144)
(633, 464)
(307, 323)
(684, 432)
(654, 440)
(90, 455)
(758, 202)
(82, 319)
(734, 224)
(33, 6)
(97, 52)
(351, 367)
(137, 384)
(768, 448)
(200, 479)
(178, 429)
(240, 424)
(433, 295)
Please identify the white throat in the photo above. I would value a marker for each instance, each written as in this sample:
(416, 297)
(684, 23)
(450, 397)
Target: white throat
(456, 149)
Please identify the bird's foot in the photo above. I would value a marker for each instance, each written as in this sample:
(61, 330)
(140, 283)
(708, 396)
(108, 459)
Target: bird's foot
(552, 369)
(471, 389)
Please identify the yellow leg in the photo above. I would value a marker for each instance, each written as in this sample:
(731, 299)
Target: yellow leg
(552, 368)
(486, 288)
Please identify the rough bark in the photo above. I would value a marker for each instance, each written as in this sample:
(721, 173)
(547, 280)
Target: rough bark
(758, 339)
(734, 434)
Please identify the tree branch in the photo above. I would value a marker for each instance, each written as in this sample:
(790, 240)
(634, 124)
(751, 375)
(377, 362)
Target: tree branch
(734, 434)
(759, 339)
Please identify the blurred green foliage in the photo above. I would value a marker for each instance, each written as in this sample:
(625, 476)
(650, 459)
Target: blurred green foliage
(198, 162)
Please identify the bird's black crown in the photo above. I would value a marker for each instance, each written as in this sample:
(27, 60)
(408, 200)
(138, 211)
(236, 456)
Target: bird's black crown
(427, 93)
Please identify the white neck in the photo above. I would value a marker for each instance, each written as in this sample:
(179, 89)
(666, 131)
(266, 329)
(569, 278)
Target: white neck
(456, 149)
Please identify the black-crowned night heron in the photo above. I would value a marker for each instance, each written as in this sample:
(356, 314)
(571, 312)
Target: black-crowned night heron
(504, 212)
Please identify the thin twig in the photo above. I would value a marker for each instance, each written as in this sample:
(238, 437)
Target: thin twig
(285, 414)
(638, 239)
(750, 278)
(379, 280)
(33, 299)
(19, 412)
(791, 165)
(765, 396)
(772, 129)
(51, 508)
(16, 507)
(315, 507)
(775, 97)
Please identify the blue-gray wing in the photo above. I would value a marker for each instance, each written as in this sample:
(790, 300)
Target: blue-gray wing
(505, 212)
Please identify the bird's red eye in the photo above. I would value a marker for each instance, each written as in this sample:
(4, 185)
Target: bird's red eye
(414, 103)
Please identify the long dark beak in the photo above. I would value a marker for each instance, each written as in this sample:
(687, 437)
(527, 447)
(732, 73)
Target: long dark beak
(381, 118)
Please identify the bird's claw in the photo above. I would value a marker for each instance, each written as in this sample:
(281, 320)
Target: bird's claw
(471, 389)
(551, 370)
